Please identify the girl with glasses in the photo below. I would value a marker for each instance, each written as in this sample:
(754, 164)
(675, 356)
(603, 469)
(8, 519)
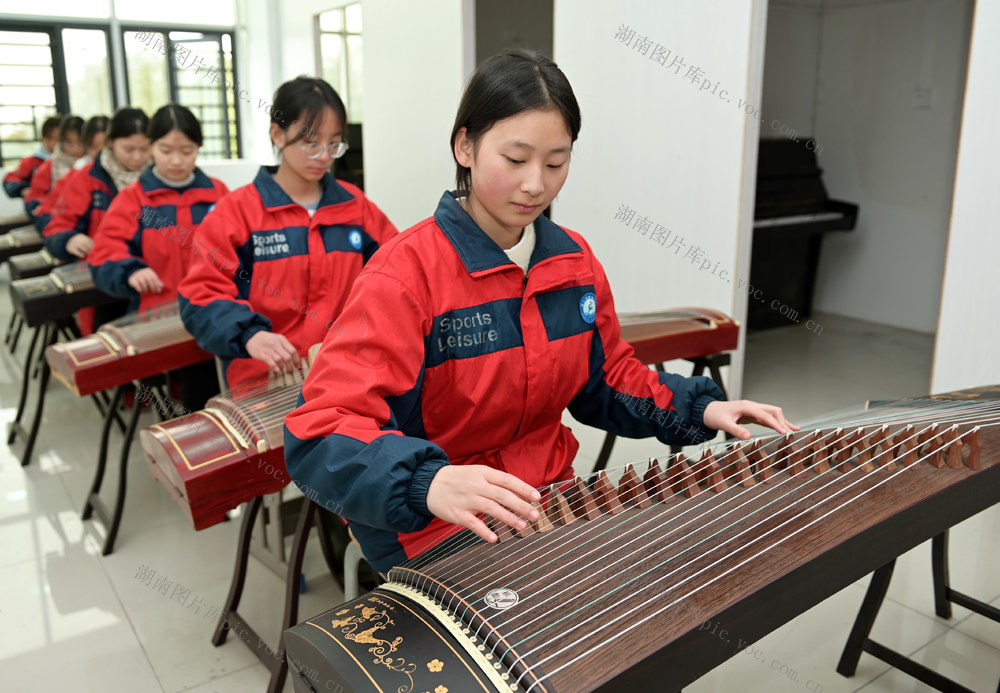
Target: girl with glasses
(440, 400)
(276, 259)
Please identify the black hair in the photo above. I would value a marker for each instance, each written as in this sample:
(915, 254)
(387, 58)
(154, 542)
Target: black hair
(70, 123)
(504, 85)
(175, 117)
(301, 102)
(128, 121)
(50, 125)
(97, 124)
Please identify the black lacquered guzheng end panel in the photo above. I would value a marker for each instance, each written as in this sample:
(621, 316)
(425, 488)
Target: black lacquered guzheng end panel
(383, 641)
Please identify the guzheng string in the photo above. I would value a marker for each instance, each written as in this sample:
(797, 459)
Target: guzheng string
(880, 417)
(621, 615)
(727, 460)
(893, 415)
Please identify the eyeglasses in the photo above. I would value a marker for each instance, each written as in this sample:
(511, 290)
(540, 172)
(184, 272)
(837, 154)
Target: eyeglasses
(314, 150)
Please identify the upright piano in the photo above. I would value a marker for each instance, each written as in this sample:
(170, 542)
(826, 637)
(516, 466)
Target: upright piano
(791, 214)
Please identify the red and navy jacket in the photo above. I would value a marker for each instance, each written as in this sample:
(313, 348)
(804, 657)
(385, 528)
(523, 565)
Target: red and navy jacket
(261, 263)
(447, 353)
(43, 213)
(80, 208)
(40, 186)
(16, 182)
(151, 224)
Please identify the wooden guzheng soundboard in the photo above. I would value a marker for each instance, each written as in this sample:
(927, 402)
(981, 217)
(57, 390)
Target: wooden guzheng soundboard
(679, 333)
(10, 223)
(18, 241)
(612, 588)
(33, 264)
(58, 294)
(228, 453)
(134, 347)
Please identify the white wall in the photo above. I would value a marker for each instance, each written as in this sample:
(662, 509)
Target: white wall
(415, 70)
(883, 150)
(791, 63)
(968, 335)
(658, 144)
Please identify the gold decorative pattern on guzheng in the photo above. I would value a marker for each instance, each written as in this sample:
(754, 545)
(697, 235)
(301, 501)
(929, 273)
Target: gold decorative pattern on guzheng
(612, 587)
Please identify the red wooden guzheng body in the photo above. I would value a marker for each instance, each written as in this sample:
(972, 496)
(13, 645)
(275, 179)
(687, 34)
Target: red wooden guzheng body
(134, 347)
(228, 453)
(679, 333)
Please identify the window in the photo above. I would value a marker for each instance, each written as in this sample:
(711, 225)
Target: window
(47, 69)
(340, 62)
(340, 56)
(192, 69)
(27, 92)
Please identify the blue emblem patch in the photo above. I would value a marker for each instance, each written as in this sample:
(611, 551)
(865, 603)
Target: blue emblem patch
(354, 237)
(588, 308)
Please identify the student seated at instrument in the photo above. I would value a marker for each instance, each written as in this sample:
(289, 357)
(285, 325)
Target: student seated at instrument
(94, 133)
(438, 394)
(17, 182)
(84, 200)
(144, 246)
(69, 149)
(275, 259)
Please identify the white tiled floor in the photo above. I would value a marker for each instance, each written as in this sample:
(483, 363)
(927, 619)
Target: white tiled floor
(75, 621)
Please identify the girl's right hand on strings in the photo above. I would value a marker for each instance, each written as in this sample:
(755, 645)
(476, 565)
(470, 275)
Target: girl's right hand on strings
(274, 350)
(146, 281)
(79, 245)
(459, 492)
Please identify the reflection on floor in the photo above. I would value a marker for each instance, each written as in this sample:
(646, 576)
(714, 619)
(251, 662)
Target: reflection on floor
(140, 619)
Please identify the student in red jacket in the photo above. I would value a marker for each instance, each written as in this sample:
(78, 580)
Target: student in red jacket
(16, 182)
(64, 157)
(144, 247)
(94, 133)
(438, 394)
(276, 258)
(77, 214)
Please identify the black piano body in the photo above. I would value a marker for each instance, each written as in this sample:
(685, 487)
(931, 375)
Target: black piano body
(791, 214)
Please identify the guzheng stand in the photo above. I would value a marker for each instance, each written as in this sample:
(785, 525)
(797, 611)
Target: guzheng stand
(274, 660)
(49, 333)
(112, 520)
(944, 596)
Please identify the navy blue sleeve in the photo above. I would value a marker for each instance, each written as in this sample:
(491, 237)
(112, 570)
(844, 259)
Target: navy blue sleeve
(381, 484)
(222, 327)
(112, 277)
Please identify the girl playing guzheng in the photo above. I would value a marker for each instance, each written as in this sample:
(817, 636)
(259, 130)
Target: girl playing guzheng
(275, 259)
(144, 247)
(94, 133)
(84, 200)
(437, 396)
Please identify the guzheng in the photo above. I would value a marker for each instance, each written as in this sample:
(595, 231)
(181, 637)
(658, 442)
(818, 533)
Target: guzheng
(58, 294)
(680, 333)
(134, 347)
(627, 580)
(228, 453)
(32, 264)
(13, 222)
(19, 241)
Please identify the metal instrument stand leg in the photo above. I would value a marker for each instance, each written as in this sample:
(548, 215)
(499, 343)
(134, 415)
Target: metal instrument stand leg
(877, 589)
(239, 571)
(230, 619)
(15, 425)
(859, 641)
(43, 384)
(102, 455)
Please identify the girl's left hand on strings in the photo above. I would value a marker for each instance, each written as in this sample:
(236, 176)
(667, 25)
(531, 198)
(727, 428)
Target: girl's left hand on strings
(727, 416)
